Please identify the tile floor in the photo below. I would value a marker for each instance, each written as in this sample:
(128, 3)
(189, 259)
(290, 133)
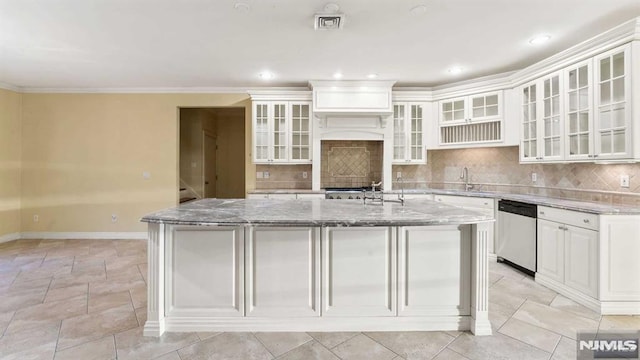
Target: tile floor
(86, 299)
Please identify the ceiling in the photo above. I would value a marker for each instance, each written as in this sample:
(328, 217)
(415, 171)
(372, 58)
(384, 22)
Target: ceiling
(101, 44)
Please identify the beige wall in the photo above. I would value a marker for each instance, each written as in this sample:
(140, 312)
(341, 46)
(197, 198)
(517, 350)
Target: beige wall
(10, 161)
(83, 156)
(231, 153)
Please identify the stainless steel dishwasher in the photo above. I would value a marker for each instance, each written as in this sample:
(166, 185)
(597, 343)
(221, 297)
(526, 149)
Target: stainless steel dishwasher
(517, 229)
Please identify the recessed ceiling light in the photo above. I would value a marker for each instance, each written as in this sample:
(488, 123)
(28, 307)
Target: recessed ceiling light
(266, 75)
(455, 70)
(242, 7)
(337, 75)
(418, 10)
(539, 39)
(372, 76)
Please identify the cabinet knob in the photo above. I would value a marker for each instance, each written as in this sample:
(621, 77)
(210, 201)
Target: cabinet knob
(541, 212)
(586, 221)
(595, 156)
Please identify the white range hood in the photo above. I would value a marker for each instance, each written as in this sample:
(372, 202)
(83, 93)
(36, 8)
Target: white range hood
(352, 98)
(352, 110)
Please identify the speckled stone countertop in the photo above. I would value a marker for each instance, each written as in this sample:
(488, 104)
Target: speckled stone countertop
(314, 212)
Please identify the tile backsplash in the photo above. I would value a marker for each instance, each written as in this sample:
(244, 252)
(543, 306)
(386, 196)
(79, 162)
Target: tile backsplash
(350, 163)
(490, 169)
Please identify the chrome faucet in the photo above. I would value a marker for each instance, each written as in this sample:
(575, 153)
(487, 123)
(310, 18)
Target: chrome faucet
(401, 196)
(465, 177)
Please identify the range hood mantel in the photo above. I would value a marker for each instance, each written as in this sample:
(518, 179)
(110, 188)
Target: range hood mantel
(352, 98)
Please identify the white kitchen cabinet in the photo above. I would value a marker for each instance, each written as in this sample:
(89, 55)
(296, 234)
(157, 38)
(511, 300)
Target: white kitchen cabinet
(282, 132)
(205, 272)
(434, 251)
(613, 121)
(579, 111)
(471, 119)
(542, 119)
(283, 272)
(408, 133)
(359, 271)
(568, 249)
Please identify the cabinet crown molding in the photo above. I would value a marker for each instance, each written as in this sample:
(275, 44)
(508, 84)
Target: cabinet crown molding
(280, 95)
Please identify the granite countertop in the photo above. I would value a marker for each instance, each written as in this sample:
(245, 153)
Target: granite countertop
(314, 212)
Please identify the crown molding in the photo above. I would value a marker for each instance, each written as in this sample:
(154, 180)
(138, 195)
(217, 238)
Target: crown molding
(145, 90)
(477, 85)
(280, 94)
(407, 94)
(619, 35)
(10, 87)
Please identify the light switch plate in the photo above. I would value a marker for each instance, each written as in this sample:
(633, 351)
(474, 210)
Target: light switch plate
(624, 181)
(304, 175)
(534, 177)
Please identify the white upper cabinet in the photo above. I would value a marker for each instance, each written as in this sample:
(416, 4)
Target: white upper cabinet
(579, 111)
(408, 133)
(471, 119)
(281, 132)
(613, 104)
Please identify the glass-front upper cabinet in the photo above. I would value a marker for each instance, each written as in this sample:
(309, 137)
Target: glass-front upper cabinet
(408, 134)
(281, 132)
(579, 113)
(551, 118)
(529, 142)
(613, 104)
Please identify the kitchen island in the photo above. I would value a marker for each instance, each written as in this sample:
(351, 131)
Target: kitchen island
(317, 265)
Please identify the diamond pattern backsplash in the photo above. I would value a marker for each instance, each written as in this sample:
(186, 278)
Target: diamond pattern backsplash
(348, 161)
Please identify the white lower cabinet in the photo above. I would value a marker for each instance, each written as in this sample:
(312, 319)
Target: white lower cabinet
(568, 254)
(205, 271)
(283, 271)
(434, 251)
(359, 271)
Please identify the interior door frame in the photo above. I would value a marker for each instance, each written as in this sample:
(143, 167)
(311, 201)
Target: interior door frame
(205, 134)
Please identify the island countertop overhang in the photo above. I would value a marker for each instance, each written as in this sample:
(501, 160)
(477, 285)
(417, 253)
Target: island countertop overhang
(314, 212)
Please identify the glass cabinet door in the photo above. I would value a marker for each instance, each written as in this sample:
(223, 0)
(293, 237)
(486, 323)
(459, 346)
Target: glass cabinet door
(416, 133)
(300, 131)
(452, 110)
(612, 104)
(399, 132)
(261, 132)
(279, 134)
(529, 146)
(578, 114)
(551, 117)
(485, 106)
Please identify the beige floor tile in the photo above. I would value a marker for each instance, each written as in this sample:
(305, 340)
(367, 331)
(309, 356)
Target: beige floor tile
(43, 351)
(76, 278)
(7, 277)
(124, 262)
(102, 302)
(44, 272)
(29, 285)
(227, 346)
(66, 292)
(279, 343)
(310, 350)
(5, 319)
(54, 310)
(170, 356)
(562, 303)
(414, 344)
(362, 347)
(619, 322)
(495, 347)
(21, 341)
(141, 315)
(546, 317)
(129, 272)
(139, 295)
(332, 339)
(143, 271)
(206, 335)
(525, 288)
(505, 270)
(506, 301)
(566, 350)
(84, 328)
(541, 338)
(114, 285)
(132, 345)
(448, 354)
(494, 277)
(18, 300)
(101, 349)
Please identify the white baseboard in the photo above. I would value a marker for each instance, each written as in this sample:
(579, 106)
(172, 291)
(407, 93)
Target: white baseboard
(9, 237)
(136, 235)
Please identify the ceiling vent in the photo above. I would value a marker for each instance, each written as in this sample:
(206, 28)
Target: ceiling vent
(329, 21)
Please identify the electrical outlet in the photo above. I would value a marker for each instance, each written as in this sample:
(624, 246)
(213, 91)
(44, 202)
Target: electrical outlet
(36, 218)
(266, 174)
(304, 175)
(534, 177)
(114, 218)
(624, 181)
(146, 175)
(398, 174)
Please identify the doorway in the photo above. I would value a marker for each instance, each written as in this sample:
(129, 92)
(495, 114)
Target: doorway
(212, 153)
